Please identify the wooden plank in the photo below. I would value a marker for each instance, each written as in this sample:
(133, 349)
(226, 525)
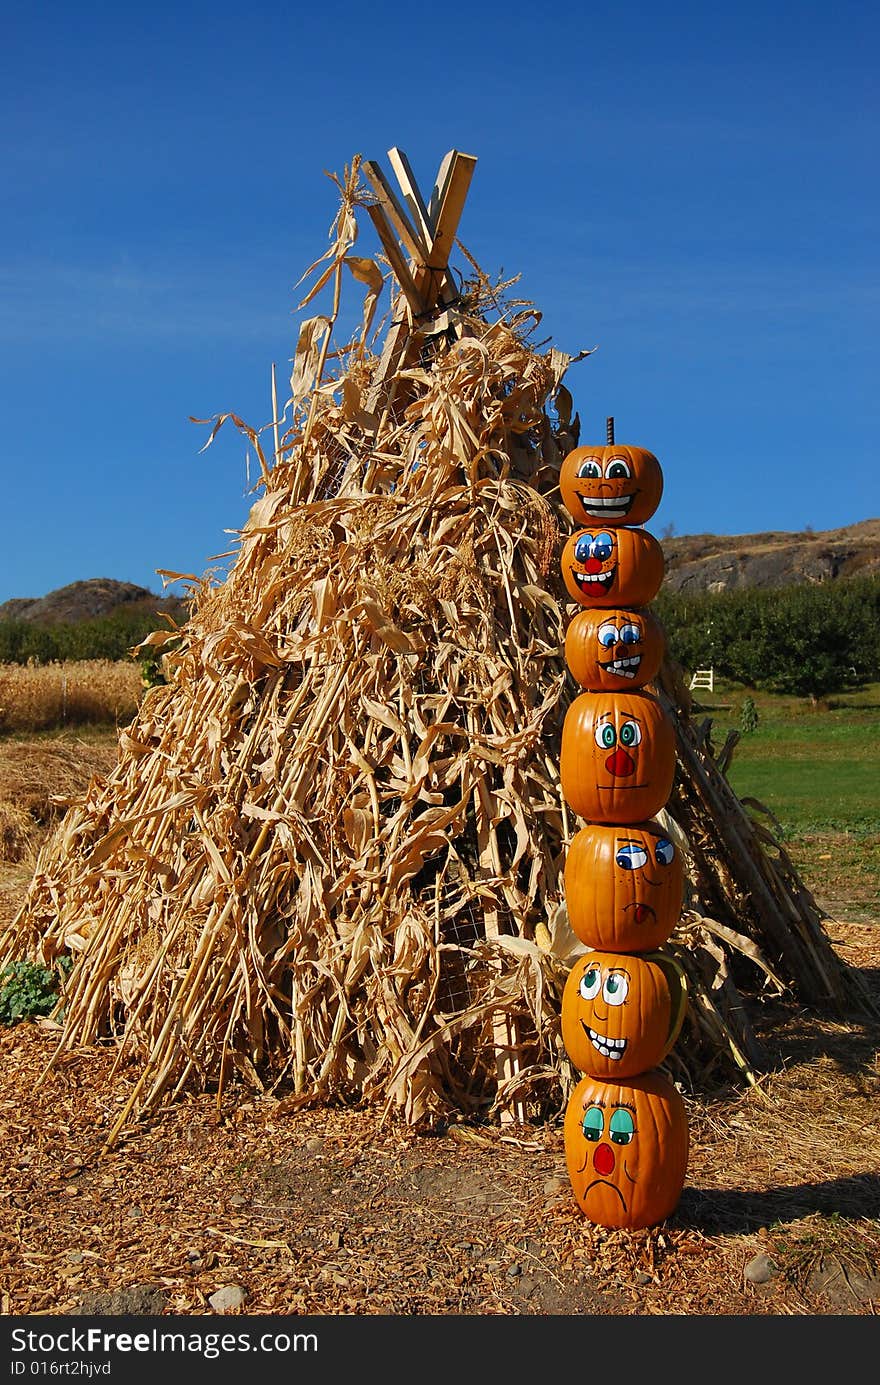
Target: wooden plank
(415, 246)
(398, 264)
(440, 186)
(392, 349)
(411, 195)
(451, 207)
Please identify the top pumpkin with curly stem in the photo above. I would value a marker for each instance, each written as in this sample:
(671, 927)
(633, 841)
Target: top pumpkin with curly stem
(611, 484)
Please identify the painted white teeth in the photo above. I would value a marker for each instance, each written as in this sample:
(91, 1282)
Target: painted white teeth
(607, 502)
(609, 1048)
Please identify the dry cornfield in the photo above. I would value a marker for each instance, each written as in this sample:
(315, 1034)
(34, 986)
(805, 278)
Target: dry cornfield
(38, 697)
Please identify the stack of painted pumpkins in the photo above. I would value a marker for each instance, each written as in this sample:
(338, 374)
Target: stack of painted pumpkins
(626, 1129)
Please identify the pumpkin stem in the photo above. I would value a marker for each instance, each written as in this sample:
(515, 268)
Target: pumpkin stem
(609, 430)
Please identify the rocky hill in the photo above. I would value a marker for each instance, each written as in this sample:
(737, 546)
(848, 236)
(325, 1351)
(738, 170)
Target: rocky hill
(89, 600)
(723, 562)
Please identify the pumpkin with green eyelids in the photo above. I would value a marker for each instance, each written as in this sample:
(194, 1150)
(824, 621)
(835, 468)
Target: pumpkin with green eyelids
(626, 1149)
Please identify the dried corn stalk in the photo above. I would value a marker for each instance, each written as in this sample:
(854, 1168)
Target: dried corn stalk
(291, 870)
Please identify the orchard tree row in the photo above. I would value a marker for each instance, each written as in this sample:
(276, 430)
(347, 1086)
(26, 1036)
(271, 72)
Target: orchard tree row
(807, 640)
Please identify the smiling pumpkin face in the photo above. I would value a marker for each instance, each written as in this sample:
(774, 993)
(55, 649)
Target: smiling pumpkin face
(626, 1149)
(612, 567)
(624, 886)
(621, 1015)
(617, 756)
(609, 649)
(611, 485)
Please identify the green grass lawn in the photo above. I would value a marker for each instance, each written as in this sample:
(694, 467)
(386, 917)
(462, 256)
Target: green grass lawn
(817, 770)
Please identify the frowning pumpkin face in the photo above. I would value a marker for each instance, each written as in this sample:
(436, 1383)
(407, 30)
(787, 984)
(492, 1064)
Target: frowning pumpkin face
(626, 1149)
(624, 886)
(611, 567)
(622, 1014)
(617, 756)
(611, 484)
(612, 649)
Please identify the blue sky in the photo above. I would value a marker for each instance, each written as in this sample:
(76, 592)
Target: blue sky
(691, 188)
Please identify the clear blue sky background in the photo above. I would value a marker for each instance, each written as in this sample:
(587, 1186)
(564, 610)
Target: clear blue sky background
(692, 188)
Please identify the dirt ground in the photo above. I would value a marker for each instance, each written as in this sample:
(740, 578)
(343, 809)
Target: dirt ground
(337, 1211)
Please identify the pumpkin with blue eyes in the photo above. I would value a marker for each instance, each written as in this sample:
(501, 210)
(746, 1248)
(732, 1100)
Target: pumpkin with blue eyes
(622, 1014)
(608, 649)
(626, 1149)
(624, 886)
(617, 756)
(612, 567)
(611, 485)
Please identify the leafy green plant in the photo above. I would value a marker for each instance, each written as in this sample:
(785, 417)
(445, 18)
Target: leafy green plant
(28, 990)
(748, 716)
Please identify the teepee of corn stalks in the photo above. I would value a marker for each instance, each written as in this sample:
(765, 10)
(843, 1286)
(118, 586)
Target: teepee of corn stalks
(328, 862)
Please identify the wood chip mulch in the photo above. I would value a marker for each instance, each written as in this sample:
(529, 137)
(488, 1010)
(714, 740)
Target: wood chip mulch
(337, 1211)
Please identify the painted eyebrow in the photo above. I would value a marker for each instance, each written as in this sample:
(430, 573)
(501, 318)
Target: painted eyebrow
(619, 1106)
(630, 841)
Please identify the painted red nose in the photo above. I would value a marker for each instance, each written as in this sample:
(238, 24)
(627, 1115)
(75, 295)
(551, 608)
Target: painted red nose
(603, 1159)
(619, 763)
(592, 565)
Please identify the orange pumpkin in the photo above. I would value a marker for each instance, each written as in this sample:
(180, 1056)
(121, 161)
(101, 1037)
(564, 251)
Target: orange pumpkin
(611, 649)
(611, 484)
(612, 567)
(626, 1149)
(624, 886)
(617, 756)
(621, 1015)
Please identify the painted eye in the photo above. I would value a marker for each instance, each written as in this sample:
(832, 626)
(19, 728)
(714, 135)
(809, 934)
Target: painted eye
(589, 469)
(665, 852)
(602, 547)
(631, 857)
(616, 469)
(608, 635)
(622, 1127)
(593, 1123)
(583, 548)
(590, 983)
(616, 988)
(630, 634)
(630, 733)
(605, 736)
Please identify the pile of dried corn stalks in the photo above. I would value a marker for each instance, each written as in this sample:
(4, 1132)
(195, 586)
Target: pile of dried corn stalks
(330, 853)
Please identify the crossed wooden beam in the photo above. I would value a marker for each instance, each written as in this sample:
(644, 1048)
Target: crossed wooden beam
(417, 237)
